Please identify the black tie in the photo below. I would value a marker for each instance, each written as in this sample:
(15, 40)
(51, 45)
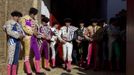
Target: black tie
(67, 29)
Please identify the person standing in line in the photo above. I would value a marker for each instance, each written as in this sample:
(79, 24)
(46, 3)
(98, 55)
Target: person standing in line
(80, 40)
(46, 32)
(66, 35)
(29, 24)
(15, 34)
(113, 42)
(54, 39)
(93, 46)
(103, 43)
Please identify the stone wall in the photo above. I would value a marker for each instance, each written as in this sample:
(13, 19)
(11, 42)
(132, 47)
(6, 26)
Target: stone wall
(2, 37)
(6, 7)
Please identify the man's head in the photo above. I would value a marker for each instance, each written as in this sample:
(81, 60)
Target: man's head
(16, 15)
(101, 22)
(45, 20)
(94, 22)
(67, 21)
(33, 12)
(113, 21)
(81, 23)
(56, 25)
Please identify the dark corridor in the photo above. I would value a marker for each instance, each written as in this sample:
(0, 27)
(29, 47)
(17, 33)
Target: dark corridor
(75, 9)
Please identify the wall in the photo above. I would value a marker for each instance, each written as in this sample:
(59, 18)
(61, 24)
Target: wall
(103, 9)
(6, 7)
(114, 6)
(130, 38)
(3, 51)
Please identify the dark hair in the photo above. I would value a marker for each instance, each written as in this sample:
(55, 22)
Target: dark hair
(33, 11)
(81, 21)
(101, 22)
(67, 20)
(94, 20)
(42, 16)
(113, 20)
(45, 19)
(54, 23)
(16, 13)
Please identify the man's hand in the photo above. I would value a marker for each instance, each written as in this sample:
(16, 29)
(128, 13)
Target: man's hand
(80, 38)
(63, 41)
(35, 33)
(88, 38)
(48, 38)
(78, 41)
(55, 39)
(91, 39)
(44, 36)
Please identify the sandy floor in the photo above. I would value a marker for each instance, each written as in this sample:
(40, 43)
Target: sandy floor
(75, 71)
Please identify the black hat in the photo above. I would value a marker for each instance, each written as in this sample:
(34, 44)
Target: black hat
(113, 20)
(81, 21)
(16, 13)
(67, 20)
(42, 16)
(45, 19)
(33, 11)
(101, 20)
(94, 20)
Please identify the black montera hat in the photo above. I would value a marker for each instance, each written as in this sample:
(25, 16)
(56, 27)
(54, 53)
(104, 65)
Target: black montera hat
(67, 20)
(94, 20)
(81, 21)
(16, 13)
(45, 19)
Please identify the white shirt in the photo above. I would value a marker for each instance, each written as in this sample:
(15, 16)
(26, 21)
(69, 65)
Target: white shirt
(67, 33)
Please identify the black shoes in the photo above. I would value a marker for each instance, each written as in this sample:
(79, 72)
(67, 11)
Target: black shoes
(68, 70)
(47, 69)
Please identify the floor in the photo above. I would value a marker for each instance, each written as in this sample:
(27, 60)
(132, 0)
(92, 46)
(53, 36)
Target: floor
(75, 71)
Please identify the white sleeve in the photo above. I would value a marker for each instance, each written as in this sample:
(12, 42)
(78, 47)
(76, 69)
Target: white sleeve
(73, 28)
